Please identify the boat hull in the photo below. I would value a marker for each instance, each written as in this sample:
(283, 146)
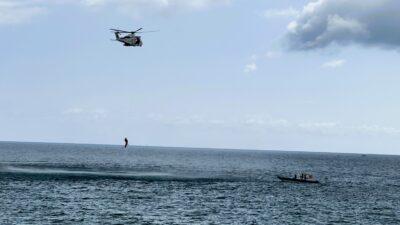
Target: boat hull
(297, 180)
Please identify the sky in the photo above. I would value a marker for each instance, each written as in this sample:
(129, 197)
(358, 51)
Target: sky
(304, 75)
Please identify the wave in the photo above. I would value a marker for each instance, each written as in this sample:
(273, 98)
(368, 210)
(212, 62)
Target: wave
(43, 172)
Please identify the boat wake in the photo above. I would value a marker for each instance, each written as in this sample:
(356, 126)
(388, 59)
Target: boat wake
(60, 173)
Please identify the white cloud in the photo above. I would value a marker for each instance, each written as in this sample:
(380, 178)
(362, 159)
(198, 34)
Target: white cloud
(254, 57)
(184, 120)
(273, 55)
(75, 110)
(289, 12)
(343, 22)
(13, 12)
(94, 2)
(334, 63)
(376, 129)
(18, 11)
(251, 67)
(139, 8)
(96, 114)
(265, 121)
(324, 128)
(195, 4)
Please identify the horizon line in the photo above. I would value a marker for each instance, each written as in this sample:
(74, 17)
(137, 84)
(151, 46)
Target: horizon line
(200, 148)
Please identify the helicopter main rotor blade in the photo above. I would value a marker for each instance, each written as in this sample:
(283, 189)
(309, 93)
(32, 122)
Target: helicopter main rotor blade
(120, 31)
(150, 31)
(133, 32)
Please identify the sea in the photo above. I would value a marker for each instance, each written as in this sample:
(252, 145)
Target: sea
(103, 184)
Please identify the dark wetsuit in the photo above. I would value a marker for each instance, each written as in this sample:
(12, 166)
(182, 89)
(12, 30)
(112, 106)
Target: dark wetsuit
(126, 142)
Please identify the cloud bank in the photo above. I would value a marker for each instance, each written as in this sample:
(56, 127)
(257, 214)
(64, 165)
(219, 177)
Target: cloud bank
(139, 8)
(344, 22)
(19, 11)
(191, 4)
(13, 12)
(283, 125)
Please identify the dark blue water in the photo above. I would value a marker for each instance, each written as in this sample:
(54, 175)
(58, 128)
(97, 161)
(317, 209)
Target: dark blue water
(95, 184)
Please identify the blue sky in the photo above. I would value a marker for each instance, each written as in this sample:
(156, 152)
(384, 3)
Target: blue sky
(289, 75)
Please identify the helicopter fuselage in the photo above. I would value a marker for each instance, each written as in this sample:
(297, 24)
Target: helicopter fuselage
(130, 40)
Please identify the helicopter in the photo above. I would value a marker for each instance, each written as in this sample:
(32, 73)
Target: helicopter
(130, 39)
